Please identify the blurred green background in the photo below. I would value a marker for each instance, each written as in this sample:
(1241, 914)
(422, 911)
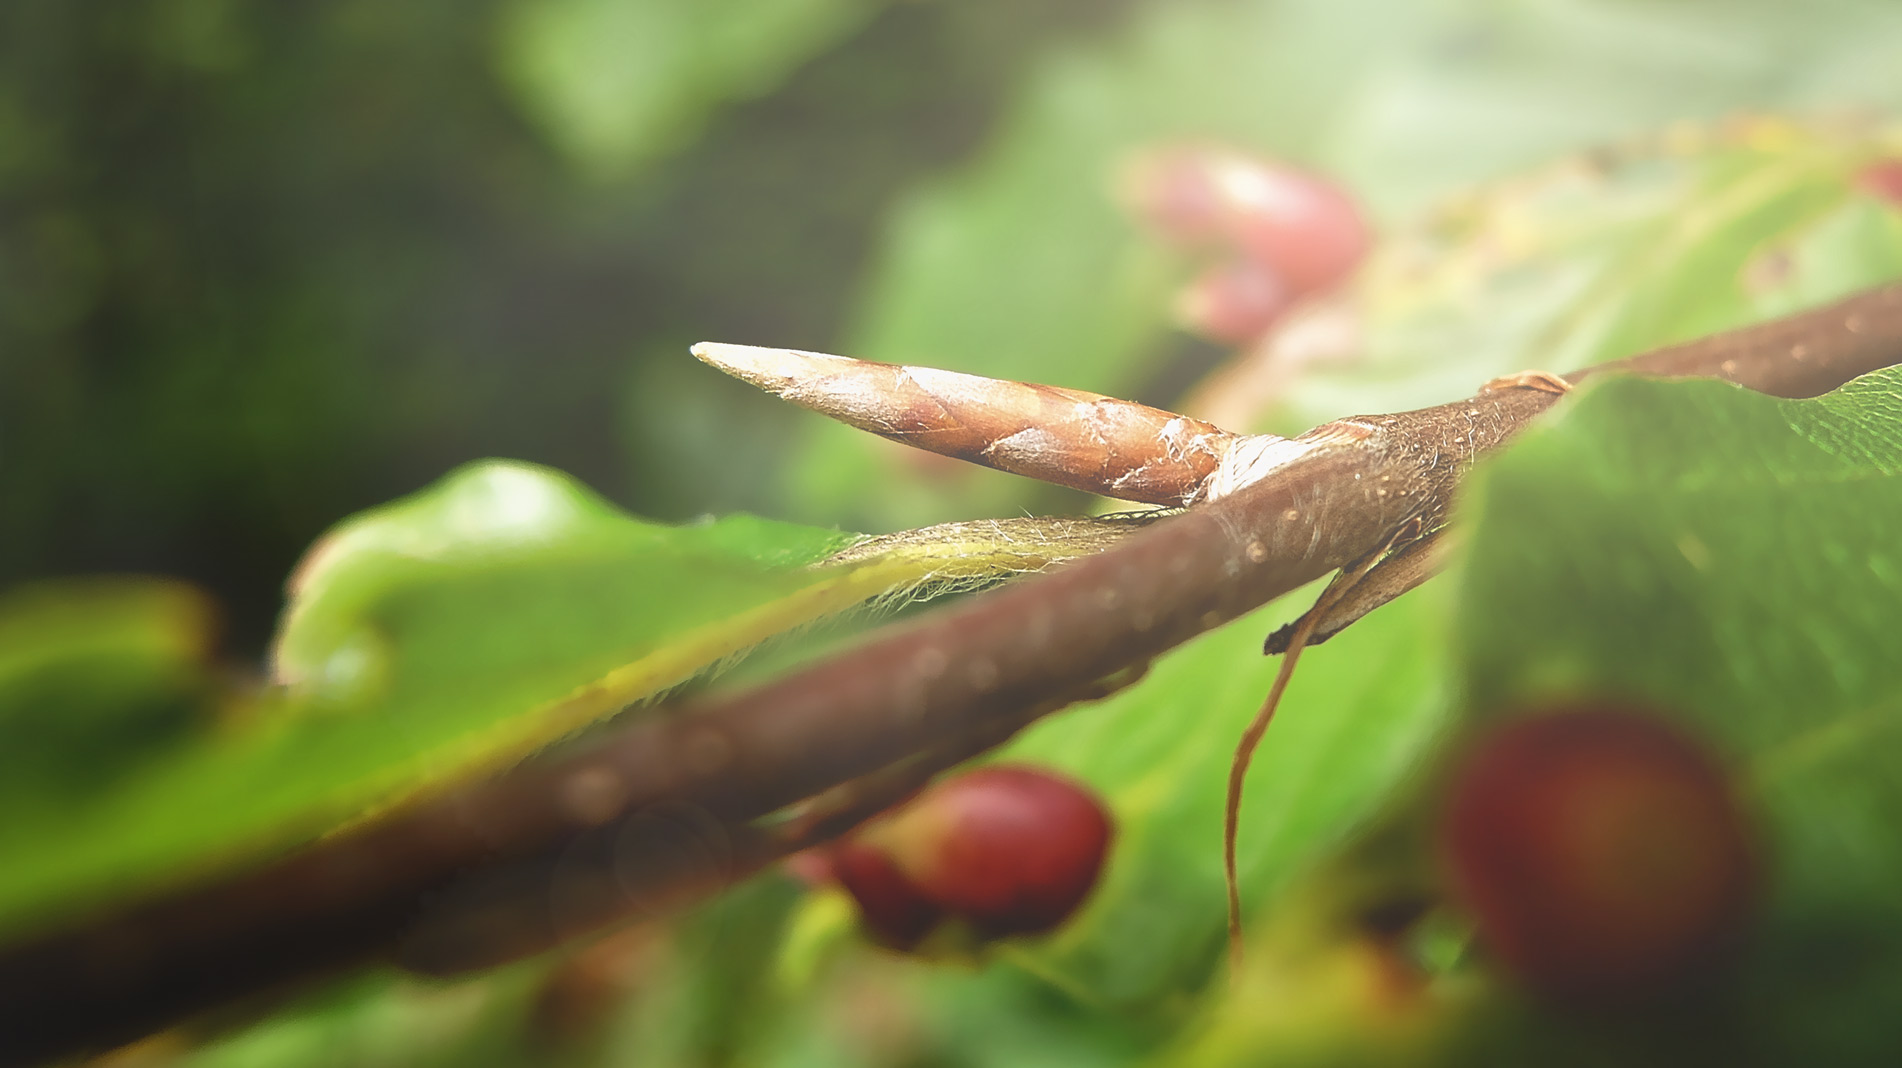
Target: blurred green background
(263, 265)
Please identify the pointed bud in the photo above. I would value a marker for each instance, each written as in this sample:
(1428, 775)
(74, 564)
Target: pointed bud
(1066, 436)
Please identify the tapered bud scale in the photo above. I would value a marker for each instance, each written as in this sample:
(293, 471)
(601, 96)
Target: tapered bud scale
(1068, 437)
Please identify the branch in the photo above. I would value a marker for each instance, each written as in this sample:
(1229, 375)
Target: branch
(671, 806)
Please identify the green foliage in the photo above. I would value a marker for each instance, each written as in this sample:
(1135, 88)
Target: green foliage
(1725, 559)
(426, 641)
(1408, 104)
(447, 633)
(96, 677)
(499, 588)
(1732, 559)
(614, 83)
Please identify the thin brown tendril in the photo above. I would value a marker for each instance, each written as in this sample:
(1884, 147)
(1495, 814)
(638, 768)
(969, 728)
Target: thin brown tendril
(1346, 580)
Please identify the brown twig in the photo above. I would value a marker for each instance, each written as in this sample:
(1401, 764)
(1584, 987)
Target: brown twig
(909, 691)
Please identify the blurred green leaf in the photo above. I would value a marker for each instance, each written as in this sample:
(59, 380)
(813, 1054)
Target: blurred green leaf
(1604, 257)
(1724, 558)
(440, 635)
(616, 82)
(1406, 104)
(1755, 534)
(507, 605)
(381, 1020)
(96, 677)
(681, 993)
(1319, 988)
(1733, 560)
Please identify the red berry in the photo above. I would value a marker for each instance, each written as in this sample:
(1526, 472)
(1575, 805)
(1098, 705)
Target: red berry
(1007, 849)
(1602, 853)
(1303, 229)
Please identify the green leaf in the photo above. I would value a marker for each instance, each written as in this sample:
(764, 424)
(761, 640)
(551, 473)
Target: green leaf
(508, 588)
(1732, 560)
(1584, 262)
(1756, 535)
(380, 1020)
(615, 82)
(443, 635)
(96, 677)
(1728, 560)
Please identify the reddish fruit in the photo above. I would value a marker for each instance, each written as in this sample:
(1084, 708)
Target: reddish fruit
(1602, 853)
(1007, 849)
(1305, 230)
